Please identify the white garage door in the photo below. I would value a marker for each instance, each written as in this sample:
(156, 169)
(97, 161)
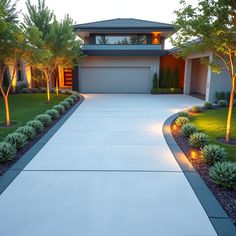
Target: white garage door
(114, 80)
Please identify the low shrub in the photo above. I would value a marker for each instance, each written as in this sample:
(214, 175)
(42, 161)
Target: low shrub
(224, 174)
(59, 108)
(34, 90)
(183, 114)
(213, 153)
(65, 104)
(16, 139)
(222, 103)
(74, 97)
(52, 90)
(188, 129)
(53, 113)
(181, 121)
(7, 151)
(25, 90)
(42, 90)
(37, 125)
(167, 91)
(198, 140)
(67, 92)
(196, 109)
(60, 91)
(208, 105)
(70, 100)
(234, 102)
(27, 130)
(44, 118)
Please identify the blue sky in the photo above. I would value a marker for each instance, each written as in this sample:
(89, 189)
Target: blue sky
(95, 10)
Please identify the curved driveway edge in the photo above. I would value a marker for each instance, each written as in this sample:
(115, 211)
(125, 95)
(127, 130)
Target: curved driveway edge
(20, 164)
(218, 217)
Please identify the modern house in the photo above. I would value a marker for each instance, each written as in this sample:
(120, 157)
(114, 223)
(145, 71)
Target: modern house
(122, 56)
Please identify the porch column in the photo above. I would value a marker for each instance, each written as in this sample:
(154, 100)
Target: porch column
(187, 76)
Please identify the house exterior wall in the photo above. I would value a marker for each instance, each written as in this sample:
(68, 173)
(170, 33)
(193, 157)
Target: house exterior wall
(219, 82)
(171, 62)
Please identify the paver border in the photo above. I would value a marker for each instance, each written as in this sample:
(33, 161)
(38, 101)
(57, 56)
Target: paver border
(8, 177)
(217, 215)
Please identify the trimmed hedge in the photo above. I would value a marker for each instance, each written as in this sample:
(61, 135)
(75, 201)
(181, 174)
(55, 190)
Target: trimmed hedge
(7, 151)
(198, 140)
(44, 118)
(189, 129)
(53, 113)
(37, 125)
(27, 130)
(16, 139)
(167, 91)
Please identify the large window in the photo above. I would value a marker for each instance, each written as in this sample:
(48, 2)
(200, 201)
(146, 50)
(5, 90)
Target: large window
(121, 39)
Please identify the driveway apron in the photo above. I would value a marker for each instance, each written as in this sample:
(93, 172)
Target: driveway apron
(107, 172)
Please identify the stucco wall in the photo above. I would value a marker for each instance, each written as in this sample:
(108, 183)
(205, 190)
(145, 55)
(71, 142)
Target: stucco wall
(219, 82)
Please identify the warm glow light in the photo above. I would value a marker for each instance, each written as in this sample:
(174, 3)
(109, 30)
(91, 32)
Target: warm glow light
(13, 77)
(193, 154)
(156, 38)
(174, 127)
(28, 75)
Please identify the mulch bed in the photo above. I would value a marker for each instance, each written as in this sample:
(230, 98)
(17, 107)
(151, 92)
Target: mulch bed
(227, 198)
(5, 166)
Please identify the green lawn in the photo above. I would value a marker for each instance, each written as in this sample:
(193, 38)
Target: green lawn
(213, 123)
(25, 107)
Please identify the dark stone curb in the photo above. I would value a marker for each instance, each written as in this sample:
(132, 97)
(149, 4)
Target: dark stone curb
(218, 217)
(15, 169)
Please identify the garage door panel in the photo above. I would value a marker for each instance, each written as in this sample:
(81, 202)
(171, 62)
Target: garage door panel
(114, 80)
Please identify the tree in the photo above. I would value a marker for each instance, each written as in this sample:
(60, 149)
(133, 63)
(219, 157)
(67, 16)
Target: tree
(58, 43)
(155, 82)
(12, 48)
(212, 26)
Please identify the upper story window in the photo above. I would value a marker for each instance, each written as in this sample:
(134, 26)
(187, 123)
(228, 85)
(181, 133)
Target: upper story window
(121, 39)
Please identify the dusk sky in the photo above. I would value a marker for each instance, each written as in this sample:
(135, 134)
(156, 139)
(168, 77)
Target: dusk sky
(89, 11)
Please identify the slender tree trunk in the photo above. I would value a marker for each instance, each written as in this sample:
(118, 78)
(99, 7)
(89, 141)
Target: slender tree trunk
(7, 110)
(48, 92)
(230, 112)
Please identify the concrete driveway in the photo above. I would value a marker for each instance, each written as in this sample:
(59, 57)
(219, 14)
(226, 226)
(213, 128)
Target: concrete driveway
(107, 172)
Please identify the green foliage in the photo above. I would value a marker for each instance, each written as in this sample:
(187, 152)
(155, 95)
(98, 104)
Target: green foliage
(53, 113)
(37, 125)
(175, 80)
(7, 151)
(59, 108)
(16, 139)
(167, 91)
(189, 129)
(25, 90)
(198, 140)
(65, 104)
(27, 130)
(155, 82)
(181, 120)
(196, 109)
(208, 105)
(39, 16)
(34, 90)
(73, 97)
(224, 174)
(222, 103)
(162, 78)
(70, 100)
(213, 153)
(183, 113)
(45, 119)
(168, 79)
